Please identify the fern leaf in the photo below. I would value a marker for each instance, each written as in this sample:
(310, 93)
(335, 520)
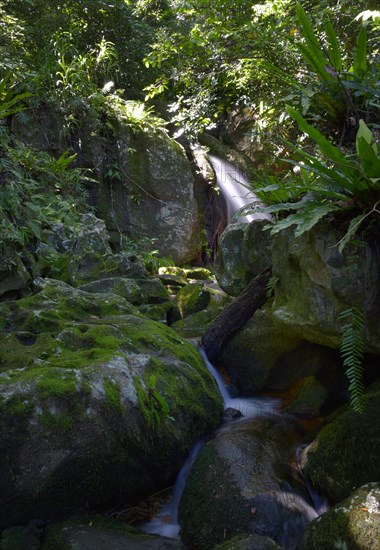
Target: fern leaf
(333, 49)
(360, 55)
(352, 229)
(352, 352)
(327, 148)
(312, 52)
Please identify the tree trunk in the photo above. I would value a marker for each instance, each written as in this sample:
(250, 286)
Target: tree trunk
(235, 315)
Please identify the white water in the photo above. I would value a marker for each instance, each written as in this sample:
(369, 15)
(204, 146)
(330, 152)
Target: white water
(235, 189)
(250, 407)
(165, 523)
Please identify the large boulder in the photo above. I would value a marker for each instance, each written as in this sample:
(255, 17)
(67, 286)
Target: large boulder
(346, 452)
(143, 184)
(135, 291)
(262, 356)
(94, 532)
(244, 251)
(242, 483)
(353, 524)
(98, 405)
(316, 282)
(147, 191)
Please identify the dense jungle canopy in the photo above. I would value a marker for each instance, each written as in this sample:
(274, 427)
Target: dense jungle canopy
(189, 66)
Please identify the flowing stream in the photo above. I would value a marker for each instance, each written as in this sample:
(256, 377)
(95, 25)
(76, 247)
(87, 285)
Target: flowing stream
(166, 521)
(235, 189)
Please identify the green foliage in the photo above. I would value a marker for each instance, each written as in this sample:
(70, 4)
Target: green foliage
(36, 191)
(345, 86)
(153, 405)
(328, 182)
(352, 352)
(144, 249)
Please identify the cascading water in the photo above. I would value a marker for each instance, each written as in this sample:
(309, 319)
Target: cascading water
(165, 523)
(235, 189)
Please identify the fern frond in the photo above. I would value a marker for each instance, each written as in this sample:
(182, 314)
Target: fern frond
(352, 352)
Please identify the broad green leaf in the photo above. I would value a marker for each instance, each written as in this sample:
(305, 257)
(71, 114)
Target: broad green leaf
(352, 228)
(313, 215)
(359, 67)
(365, 132)
(327, 148)
(368, 158)
(313, 52)
(305, 219)
(333, 49)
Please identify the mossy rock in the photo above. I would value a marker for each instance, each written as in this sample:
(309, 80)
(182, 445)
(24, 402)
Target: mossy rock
(346, 452)
(244, 251)
(306, 398)
(173, 282)
(95, 532)
(135, 291)
(248, 542)
(54, 304)
(193, 298)
(353, 524)
(172, 270)
(242, 483)
(196, 324)
(198, 273)
(98, 406)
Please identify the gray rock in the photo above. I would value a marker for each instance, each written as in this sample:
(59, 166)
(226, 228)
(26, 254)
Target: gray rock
(93, 537)
(244, 251)
(135, 291)
(316, 283)
(15, 280)
(352, 524)
(242, 482)
(97, 405)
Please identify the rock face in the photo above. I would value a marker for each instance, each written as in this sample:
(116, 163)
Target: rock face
(242, 482)
(100, 534)
(244, 252)
(98, 405)
(144, 185)
(316, 283)
(153, 196)
(352, 524)
(345, 454)
(262, 356)
(312, 281)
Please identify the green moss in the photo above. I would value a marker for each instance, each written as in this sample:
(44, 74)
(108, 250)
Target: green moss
(229, 517)
(350, 524)
(345, 453)
(18, 405)
(192, 298)
(51, 386)
(56, 422)
(199, 273)
(112, 394)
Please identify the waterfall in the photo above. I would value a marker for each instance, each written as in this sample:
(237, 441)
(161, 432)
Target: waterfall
(165, 523)
(235, 189)
(250, 407)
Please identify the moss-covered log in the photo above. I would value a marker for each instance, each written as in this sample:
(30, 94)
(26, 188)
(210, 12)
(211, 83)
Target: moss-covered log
(236, 314)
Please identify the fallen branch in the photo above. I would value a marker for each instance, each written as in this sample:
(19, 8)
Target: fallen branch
(235, 315)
